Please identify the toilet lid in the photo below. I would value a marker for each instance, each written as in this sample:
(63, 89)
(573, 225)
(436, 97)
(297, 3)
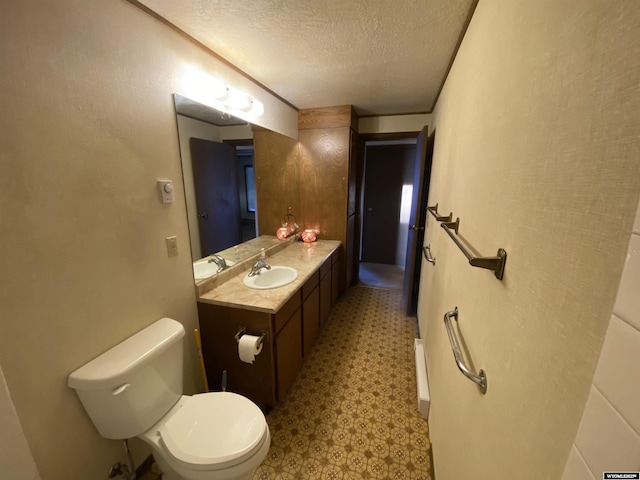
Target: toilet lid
(219, 428)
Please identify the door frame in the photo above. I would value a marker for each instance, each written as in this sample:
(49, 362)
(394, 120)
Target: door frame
(363, 138)
(422, 177)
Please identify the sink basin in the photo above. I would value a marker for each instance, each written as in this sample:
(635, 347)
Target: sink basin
(278, 276)
(203, 269)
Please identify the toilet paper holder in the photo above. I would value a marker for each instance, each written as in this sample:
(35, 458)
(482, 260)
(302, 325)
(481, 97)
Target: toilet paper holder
(242, 331)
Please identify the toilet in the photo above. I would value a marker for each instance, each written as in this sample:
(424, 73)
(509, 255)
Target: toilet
(135, 390)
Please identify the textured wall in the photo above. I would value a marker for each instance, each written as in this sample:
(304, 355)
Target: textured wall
(87, 127)
(536, 151)
(16, 460)
(609, 435)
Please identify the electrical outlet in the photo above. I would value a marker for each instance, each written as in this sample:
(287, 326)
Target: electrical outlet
(172, 246)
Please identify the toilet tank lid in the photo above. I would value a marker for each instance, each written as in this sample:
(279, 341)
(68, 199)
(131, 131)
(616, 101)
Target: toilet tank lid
(114, 364)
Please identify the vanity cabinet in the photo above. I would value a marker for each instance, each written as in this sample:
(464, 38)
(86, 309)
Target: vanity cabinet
(288, 344)
(310, 312)
(218, 328)
(290, 319)
(270, 376)
(325, 291)
(288, 353)
(319, 294)
(335, 277)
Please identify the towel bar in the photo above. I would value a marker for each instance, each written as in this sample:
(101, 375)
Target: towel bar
(496, 263)
(481, 378)
(434, 211)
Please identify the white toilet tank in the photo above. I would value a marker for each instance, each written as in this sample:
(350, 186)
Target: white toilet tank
(130, 387)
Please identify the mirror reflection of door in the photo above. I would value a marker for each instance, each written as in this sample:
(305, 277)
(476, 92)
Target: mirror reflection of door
(247, 185)
(216, 191)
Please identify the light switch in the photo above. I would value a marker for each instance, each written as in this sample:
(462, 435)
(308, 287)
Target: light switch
(166, 190)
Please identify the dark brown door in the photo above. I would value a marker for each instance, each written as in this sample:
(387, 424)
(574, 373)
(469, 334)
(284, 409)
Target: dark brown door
(417, 219)
(384, 172)
(216, 188)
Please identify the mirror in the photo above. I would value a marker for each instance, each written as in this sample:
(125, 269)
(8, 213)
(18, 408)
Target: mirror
(216, 150)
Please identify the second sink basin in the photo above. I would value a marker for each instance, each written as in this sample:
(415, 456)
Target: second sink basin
(203, 269)
(278, 276)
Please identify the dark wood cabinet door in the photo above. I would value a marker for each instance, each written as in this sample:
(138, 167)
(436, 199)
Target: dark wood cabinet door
(288, 353)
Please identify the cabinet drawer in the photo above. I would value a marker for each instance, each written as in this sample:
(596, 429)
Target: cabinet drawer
(288, 309)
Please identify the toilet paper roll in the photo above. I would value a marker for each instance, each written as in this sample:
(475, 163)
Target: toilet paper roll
(248, 347)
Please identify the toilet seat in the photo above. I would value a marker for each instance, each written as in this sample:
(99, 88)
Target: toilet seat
(213, 431)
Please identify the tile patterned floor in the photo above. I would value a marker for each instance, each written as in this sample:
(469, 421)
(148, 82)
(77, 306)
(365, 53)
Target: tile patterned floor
(352, 411)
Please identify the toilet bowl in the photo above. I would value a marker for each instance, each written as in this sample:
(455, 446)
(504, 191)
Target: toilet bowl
(135, 390)
(221, 436)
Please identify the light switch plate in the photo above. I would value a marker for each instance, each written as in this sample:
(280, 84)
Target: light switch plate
(172, 246)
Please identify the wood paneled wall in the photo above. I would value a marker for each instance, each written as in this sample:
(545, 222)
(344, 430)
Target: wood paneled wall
(328, 117)
(315, 176)
(324, 168)
(277, 170)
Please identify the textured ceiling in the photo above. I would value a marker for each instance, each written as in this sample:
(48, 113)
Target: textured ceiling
(382, 56)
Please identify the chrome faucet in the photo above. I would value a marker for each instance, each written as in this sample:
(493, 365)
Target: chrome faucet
(258, 266)
(219, 261)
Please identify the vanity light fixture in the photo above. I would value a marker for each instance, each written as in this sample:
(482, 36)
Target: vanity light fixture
(237, 100)
(205, 86)
(212, 91)
(257, 108)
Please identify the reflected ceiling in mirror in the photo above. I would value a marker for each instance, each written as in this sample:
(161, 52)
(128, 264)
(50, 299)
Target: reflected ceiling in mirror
(217, 163)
